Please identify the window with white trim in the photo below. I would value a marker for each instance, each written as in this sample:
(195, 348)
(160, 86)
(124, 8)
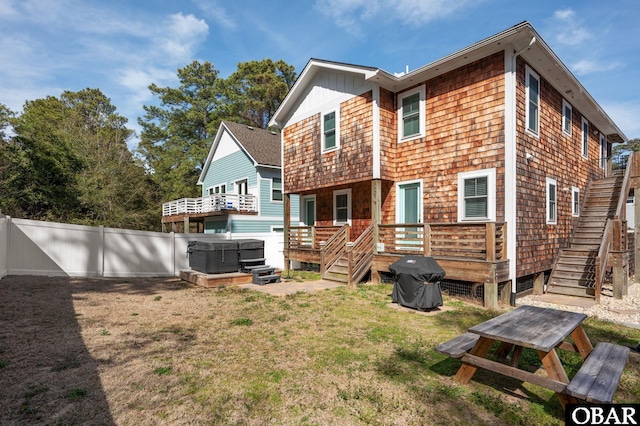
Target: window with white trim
(330, 131)
(218, 189)
(477, 195)
(567, 114)
(603, 151)
(342, 207)
(585, 138)
(276, 189)
(575, 201)
(532, 84)
(411, 114)
(552, 201)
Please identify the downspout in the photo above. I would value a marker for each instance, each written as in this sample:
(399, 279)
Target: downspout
(510, 166)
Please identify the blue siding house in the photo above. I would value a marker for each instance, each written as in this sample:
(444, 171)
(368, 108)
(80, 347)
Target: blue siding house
(241, 185)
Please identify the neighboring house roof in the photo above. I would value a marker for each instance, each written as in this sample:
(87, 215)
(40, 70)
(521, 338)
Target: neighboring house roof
(523, 38)
(262, 146)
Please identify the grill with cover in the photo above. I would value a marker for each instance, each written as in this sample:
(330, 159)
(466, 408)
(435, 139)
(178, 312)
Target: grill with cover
(417, 282)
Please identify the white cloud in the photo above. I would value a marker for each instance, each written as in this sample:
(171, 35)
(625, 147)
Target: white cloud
(625, 115)
(586, 66)
(350, 14)
(217, 13)
(569, 29)
(181, 36)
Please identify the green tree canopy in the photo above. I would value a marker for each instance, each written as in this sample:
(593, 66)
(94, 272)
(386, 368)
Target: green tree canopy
(68, 161)
(177, 133)
(254, 92)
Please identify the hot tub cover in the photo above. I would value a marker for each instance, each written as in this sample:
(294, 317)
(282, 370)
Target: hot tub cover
(417, 282)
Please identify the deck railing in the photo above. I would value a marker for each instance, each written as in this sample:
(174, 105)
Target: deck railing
(210, 203)
(310, 237)
(482, 241)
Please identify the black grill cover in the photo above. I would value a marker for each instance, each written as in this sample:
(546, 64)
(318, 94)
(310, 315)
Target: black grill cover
(417, 282)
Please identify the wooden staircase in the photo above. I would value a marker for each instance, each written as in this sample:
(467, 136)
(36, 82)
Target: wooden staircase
(349, 262)
(575, 271)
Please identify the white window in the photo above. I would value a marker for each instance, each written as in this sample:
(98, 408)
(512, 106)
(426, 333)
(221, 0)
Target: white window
(603, 151)
(342, 207)
(411, 114)
(585, 137)
(552, 201)
(276, 189)
(330, 131)
(533, 101)
(219, 189)
(575, 201)
(567, 114)
(477, 195)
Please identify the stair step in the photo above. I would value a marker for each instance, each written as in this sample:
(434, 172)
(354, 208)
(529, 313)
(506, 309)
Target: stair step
(572, 291)
(335, 277)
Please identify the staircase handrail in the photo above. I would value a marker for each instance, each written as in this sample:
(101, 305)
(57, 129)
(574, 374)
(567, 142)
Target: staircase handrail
(601, 260)
(334, 248)
(624, 190)
(361, 255)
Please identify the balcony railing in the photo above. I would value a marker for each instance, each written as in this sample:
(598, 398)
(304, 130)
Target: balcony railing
(210, 203)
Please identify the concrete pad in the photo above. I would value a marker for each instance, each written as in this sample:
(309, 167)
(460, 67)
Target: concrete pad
(284, 288)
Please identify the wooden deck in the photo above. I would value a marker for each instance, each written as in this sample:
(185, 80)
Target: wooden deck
(469, 252)
(215, 280)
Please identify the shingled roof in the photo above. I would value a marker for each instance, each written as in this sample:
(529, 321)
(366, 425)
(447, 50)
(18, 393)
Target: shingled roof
(262, 145)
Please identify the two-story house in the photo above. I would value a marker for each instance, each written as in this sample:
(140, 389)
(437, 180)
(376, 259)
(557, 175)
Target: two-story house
(483, 159)
(241, 185)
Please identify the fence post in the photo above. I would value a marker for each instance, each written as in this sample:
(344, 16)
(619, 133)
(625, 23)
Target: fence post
(101, 250)
(172, 241)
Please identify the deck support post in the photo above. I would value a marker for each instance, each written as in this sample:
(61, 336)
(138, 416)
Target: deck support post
(376, 213)
(287, 232)
(186, 225)
(538, 284)
(491, 296)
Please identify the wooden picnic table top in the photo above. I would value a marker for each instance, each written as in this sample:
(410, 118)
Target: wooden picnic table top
(531, 327)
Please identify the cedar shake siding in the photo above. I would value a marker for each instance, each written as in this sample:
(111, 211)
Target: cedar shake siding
(464, 132)
(309, 168)
(555, 155)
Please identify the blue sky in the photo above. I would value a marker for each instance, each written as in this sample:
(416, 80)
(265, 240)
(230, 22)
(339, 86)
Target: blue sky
(122, 46)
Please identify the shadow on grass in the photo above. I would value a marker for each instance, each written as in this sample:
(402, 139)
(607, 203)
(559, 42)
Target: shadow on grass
(47, 375)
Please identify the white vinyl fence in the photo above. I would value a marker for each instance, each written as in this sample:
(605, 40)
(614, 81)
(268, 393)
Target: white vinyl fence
(30, 247)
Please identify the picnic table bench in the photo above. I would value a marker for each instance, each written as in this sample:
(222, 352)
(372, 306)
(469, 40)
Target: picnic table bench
(544, 330)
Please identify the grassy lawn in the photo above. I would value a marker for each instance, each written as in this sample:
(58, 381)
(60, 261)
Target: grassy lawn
(166, 352)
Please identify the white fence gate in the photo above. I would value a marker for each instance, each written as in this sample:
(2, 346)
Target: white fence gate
(30, 247)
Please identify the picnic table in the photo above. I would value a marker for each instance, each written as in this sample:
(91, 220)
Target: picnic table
(544, 330)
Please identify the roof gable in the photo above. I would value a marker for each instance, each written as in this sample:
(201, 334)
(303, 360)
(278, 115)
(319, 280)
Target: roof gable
(262, 146)
(523, 39)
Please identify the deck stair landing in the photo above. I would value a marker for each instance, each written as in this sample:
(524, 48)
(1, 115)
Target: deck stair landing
(574, 273)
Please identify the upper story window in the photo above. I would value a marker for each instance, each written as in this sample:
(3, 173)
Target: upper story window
(567, 114)
(552, 202)
(476, 195)
(411, 114)
(533, 101)
(585, 137)
(276, 189)
(330, 133)
(603, 151)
